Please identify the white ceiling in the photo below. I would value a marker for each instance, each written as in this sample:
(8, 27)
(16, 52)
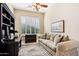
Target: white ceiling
(28, 6)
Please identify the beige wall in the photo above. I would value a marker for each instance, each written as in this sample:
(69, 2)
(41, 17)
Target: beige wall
(67, 12)
(19, 13)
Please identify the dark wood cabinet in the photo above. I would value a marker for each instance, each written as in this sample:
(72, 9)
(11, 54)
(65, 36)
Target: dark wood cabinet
(16, 48)
(7, 48)
(11, 49)
(30, 38)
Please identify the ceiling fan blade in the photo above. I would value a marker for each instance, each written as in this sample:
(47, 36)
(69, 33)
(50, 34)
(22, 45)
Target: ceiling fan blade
(44, 5)
(40, 4)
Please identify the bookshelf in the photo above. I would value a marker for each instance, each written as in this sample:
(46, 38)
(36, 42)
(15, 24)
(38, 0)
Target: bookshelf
(7, 23)
(7, 31)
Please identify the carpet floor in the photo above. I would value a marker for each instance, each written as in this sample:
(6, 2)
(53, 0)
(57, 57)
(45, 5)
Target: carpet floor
(32, 49)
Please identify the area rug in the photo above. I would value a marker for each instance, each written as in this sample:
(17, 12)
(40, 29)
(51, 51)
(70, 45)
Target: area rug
(33, 49)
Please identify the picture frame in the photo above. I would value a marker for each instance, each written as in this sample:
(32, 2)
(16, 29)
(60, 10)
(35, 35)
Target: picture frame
(58, 26)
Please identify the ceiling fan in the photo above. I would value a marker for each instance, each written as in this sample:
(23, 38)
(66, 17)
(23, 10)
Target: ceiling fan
(38, 6)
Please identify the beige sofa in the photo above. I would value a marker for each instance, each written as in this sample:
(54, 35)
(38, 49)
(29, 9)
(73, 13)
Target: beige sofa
(60, 48)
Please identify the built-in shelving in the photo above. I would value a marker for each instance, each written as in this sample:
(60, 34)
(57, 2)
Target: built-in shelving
(7, 29)
(7, 21)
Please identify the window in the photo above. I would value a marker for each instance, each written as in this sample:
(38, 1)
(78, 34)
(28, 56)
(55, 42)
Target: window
(30, 25)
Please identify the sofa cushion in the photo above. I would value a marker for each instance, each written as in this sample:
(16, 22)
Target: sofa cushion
(57, 39)
(42, 36)
(40, 39)
(44, 41)
(51, 45)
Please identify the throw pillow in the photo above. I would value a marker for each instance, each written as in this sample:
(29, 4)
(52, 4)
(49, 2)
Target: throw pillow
(43, 36)
(65, 38)
(48, 36)
(57, 39)
(52, 36)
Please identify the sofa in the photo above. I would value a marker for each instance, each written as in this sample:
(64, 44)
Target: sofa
(58, 45)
